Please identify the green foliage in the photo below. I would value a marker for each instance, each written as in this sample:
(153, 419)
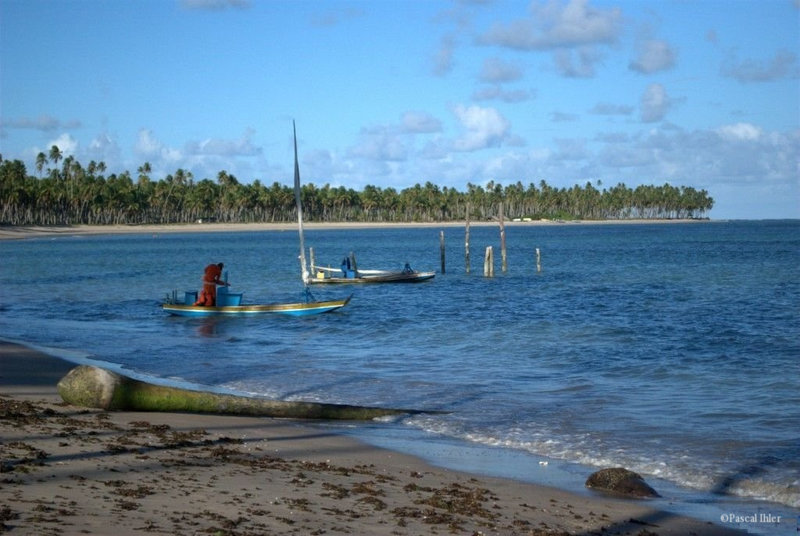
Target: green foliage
(71, 194)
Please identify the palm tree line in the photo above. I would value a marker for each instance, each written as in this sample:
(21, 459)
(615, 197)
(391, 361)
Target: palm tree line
(70, 193)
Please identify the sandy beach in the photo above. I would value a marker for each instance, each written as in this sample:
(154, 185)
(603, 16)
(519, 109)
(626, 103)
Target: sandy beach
(69, 470)
(10, 232)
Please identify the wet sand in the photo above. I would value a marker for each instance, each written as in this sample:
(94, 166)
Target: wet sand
(69, 470)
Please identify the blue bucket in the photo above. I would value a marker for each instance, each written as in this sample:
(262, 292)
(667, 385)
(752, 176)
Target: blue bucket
(231, 298)
(227, 299)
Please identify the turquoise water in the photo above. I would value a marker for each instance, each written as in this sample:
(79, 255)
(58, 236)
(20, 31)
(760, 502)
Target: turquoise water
(671, 350)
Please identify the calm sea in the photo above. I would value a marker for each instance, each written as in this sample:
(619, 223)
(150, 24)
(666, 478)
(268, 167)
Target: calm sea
(672, 350)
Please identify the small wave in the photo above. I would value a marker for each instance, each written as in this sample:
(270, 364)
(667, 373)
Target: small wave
(683, 471)
(780, 493)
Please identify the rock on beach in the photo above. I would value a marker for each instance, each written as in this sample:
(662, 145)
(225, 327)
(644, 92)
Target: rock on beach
(621, 481)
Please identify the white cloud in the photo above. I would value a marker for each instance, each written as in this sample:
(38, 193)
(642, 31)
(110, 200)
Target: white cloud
(563, 117)
(220, 147)
(619, 156)
(65, 143)
(382, 147)
(731, 154)
(782, 65)
(443, 59)
(152, 150)
(740, 131)
(498, 93)
(322, 166)
(482, 128)
(420, 123)
(495, 70)
(103, 148)
(655, 103)
(44, 123)
(605, 108)
(146, 144)
(571, 149)
(577, 63)
(380, 144)
(763, 169)
(653, 55)
(436, 149)
(738, 156)
(555, 25)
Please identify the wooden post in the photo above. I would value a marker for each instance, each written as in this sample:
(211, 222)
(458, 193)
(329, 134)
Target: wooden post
(466, 239)
(503, 262)
(538, 261)
(313, 263)
(488, 262)
(441, 248)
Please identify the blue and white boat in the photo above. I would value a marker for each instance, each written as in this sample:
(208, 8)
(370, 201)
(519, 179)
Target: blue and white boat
(230, 303)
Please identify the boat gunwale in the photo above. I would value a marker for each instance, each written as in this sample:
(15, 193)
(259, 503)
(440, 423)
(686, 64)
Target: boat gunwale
(391, 277)
(204, 310)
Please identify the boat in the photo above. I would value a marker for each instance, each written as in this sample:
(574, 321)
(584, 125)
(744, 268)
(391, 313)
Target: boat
(350, 273)
(304, 308)
(230, 303)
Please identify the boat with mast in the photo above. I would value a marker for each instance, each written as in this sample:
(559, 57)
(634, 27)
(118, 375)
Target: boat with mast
(229, 303)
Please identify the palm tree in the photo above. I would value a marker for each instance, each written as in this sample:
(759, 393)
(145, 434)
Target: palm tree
(70, 194)
(144, 172)
(41, 161)
(370, 200)
(55, 154)
(203, 200)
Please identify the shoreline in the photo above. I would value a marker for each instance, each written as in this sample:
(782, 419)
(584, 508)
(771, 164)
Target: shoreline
(71, 470)
(10, 232)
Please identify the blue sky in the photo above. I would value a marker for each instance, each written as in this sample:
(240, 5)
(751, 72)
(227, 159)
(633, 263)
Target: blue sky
(702, 93)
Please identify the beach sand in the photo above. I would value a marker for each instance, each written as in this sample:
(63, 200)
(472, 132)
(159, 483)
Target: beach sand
(69, 470)
(12, 232)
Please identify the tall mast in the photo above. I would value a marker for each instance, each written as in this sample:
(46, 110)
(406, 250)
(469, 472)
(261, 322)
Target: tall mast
(303, 267)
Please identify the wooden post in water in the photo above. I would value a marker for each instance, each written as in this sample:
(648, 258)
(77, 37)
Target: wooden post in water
(466, 239)
(441, 248)
(538, 261)
(503, 262)
(488, 262)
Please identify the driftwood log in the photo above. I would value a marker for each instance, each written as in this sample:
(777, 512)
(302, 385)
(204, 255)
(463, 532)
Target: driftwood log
(95, 387)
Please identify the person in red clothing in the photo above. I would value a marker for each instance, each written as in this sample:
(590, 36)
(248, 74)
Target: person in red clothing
(211, 278)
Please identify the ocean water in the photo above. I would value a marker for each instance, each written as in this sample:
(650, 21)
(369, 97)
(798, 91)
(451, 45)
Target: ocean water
(672, 350)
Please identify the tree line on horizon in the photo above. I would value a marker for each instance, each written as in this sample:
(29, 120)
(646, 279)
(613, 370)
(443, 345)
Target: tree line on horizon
(69, 194)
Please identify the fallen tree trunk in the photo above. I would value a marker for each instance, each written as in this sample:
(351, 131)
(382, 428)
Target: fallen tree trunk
(95, 387)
